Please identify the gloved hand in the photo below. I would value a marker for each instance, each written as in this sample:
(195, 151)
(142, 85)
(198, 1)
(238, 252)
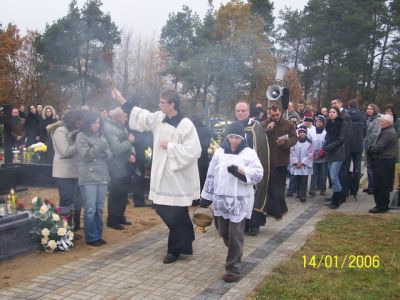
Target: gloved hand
(234, 170)
(204, 202)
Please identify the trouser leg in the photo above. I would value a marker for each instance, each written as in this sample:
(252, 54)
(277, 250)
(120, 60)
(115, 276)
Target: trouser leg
(233, 236)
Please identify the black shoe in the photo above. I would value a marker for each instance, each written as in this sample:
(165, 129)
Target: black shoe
(116, 227)
(254, 231)
(312, 193)
(303, 199)
(170, 258)
(368, 191)
(126, 223)
(289, 194)
(328, 199)
(333, 206)
(230, 278)
(103, 241)
(97, 243)
(377, 210)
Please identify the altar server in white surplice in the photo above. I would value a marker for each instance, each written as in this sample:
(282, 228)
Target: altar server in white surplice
(174, 181)
(234, 170)
(301, 162)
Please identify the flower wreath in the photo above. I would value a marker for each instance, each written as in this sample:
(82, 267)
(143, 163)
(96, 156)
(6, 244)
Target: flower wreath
(49, 227)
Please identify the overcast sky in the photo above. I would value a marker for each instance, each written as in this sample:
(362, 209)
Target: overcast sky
(144, 17)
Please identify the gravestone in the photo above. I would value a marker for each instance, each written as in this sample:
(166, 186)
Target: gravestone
(14, 235)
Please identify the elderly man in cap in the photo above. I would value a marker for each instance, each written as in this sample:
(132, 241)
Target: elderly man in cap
(383, 159)
(120, 143)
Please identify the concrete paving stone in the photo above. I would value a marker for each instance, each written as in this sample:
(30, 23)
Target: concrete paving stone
(31, 295)
(92, 286)
(68, 292)
(31, 285)
(139, 296)
(97, 297)
(43, 289)
(52, 297)
(154, 297)
(233, 295)
(7, 293)
(78, 297)
(15, 290)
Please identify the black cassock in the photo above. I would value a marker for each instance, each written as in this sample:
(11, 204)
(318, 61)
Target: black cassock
(181, 233)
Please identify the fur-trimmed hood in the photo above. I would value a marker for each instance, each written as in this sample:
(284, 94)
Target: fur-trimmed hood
(55, 117)
(52, 127)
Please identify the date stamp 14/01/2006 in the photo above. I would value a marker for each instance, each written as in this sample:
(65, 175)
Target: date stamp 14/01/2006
(327, 261)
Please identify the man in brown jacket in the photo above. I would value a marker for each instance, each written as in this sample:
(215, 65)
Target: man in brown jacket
(281, 136)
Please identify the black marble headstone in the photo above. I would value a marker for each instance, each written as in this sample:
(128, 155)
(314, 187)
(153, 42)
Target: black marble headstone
(14, 235)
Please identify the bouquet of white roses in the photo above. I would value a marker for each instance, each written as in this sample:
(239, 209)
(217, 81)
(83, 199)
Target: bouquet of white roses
(50, 229)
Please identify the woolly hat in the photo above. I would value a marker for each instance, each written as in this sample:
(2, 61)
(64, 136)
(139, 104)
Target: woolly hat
(321, 118)
(302, 128)
(308, 117)
(236, 128)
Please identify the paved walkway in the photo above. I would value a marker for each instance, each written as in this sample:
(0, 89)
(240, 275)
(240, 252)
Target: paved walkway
(133, 269)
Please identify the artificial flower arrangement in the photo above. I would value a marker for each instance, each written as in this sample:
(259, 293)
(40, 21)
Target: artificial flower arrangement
(38, 147)
(219, 129)
(50, 229)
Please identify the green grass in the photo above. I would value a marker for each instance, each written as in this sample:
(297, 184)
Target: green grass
(341, 235)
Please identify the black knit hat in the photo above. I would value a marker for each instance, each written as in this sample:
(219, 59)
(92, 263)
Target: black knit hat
(321, 118)
(236, 128)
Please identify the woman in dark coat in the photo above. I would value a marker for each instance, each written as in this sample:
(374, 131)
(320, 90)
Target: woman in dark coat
(204, 134)
(32, 126)
(334, 148)
(48, 117)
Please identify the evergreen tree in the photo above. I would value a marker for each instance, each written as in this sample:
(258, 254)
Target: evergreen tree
(77, 49)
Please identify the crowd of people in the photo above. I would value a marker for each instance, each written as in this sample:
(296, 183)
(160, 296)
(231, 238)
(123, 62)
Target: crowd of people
(245, 180)
(29, 128)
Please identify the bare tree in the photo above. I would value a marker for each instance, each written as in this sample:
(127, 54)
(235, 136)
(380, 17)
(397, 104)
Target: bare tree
(138, 69)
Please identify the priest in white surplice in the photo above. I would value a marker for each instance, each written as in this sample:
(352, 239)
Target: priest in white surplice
(174, 181)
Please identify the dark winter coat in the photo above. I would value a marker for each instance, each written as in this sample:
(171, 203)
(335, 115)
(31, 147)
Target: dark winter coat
(120, 147)
(93, 154)
(347, 132)
(372, 131)
(385, 146)
(358, 124)
(32, 126)
(279, 155)
(334, 145)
